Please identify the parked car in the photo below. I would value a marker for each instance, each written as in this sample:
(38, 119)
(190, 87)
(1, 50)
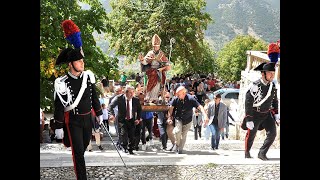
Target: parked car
(226, 95)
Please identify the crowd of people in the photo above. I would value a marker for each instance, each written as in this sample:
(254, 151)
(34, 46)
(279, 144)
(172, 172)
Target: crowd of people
(215, 117)
(132, 130)
(79, 112)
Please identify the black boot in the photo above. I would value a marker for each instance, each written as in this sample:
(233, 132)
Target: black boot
(247, 155)
(130, 151)
(262, 156)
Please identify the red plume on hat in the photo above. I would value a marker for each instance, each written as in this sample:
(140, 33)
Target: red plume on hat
(72, 33)
(273, 52)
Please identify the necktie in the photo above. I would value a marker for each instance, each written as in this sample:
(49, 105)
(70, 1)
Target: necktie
(128, 110)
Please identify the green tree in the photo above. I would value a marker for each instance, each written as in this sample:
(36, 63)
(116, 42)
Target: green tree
(202, 64)
(232, 58)
(90, 16)
(134, 22)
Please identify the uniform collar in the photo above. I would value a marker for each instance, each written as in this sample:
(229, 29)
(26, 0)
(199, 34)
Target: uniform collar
(264, 82)
(75, 77)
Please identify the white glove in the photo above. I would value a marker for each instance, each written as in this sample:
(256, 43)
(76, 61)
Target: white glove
(277, 118)
(250, 125)
(59, 133)
(100, 119)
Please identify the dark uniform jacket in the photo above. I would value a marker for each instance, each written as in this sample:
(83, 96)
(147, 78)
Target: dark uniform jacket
(256, 93)
(88, 100)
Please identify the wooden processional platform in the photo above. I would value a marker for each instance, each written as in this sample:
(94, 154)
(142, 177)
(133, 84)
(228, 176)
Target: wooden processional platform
(155, 108)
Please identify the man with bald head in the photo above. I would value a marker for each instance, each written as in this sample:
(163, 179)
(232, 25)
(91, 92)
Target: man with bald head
(181, 111)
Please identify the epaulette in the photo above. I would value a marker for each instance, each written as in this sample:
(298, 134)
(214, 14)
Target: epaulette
(59, 85)
(91, 76)
(253, 88)
(62, 78)
(250, 86)
(256, 82)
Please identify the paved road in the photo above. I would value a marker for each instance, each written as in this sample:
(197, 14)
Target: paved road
(196, 152)
(197, 162)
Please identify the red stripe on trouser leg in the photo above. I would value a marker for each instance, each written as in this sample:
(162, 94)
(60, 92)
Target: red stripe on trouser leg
(246, 141)
(66, 115)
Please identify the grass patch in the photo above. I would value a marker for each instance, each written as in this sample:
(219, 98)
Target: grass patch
(211, 165)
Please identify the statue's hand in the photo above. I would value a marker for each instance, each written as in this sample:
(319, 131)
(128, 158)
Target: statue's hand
(140, 57)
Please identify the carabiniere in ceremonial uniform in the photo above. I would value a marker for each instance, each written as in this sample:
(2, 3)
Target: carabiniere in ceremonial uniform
(75, 97)
(261, 107)
(76, 100)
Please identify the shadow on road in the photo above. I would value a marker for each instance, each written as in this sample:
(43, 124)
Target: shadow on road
(200, 153)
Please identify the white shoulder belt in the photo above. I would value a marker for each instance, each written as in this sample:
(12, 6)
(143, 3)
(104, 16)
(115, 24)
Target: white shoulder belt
(265, 98)
(83, 87)
(61, 89)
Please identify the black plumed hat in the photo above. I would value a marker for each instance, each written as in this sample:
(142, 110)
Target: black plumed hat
(266, 66)
(68, 55)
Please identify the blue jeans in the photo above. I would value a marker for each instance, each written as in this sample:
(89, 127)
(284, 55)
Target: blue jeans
(149, 124)
(215, 138)
(163, 134)
(225, 133)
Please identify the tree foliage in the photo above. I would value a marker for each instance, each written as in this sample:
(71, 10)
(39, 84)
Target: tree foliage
(232, 58)
(89, 18)
(202, 64)
(134, 22)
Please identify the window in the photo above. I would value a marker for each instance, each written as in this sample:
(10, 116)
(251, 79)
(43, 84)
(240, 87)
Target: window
(233, 95)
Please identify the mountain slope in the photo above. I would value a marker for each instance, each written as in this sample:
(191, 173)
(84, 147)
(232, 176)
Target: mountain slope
(233, 17)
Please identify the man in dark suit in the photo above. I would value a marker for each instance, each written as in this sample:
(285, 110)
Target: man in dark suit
(129, 115)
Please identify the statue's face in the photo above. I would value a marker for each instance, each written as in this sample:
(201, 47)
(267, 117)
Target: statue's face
(156, 48)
